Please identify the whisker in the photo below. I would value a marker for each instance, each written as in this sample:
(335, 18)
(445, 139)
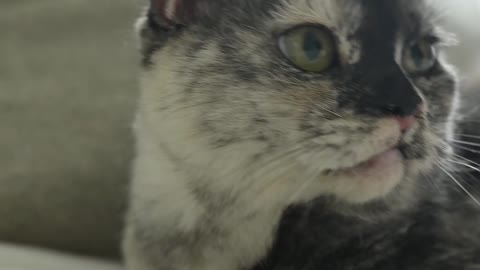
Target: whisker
(466, 121)
(258, 170)
(468, 136)
(466, 159)
(464, 164)
(325, 109)
(468, 184)
(461, 160)
(274, 180)
(465, 143)
(459, 184)
(467, 149)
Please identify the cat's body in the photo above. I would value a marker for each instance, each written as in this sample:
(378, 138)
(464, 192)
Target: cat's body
(232, 130)
(439, 235)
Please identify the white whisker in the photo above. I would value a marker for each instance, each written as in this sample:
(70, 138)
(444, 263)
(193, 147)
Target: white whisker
(467, 149)
(464, 164)
(466, 159)
(459, 184)
(465, 143)
(468, 136)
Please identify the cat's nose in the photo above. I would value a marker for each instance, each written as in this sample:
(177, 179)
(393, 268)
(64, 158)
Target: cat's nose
(401, 108)
(407, 122)
(389, 93)
(398, 103)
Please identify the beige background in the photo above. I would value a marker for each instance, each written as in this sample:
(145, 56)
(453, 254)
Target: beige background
(25, 258)
(67, 91)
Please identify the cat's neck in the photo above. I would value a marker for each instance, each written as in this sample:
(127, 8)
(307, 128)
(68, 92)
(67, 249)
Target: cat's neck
(223, 222)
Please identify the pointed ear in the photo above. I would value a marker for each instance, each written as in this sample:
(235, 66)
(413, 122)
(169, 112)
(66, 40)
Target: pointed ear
(179, 11)
(164, 18)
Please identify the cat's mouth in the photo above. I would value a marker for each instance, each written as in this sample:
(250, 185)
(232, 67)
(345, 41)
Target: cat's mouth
(372, 178)
(393, 153)
(378, 162)
(375, 165)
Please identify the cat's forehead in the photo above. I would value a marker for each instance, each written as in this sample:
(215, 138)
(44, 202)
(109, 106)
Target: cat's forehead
(334, 14)
(349, 16)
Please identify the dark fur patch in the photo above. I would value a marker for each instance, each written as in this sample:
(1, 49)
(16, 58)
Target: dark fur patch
(386, 88)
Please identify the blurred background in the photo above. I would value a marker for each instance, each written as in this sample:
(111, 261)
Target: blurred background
(461, 18)
(67, 94)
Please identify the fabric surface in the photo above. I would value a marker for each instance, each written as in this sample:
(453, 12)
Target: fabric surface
(22, 258)
(67, 92)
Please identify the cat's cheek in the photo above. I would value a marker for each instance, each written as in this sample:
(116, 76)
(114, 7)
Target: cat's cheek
(423, 166)
(416, 167)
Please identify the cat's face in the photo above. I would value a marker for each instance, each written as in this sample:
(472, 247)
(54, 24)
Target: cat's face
(297, 99)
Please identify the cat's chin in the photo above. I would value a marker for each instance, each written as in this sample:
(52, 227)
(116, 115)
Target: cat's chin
(371, 179)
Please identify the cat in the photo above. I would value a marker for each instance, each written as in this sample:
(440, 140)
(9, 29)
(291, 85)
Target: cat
(295, 134)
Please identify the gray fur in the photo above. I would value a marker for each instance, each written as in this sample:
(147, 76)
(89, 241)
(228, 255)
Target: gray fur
(252, 117)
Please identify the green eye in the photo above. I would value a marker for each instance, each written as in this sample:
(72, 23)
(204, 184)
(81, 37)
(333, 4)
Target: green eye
(309, 48)
(420, 57)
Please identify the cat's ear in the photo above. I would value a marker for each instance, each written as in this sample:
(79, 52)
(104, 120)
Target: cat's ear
(164, 18)
(179, 12)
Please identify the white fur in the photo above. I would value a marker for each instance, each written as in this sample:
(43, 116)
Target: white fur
(167, 129)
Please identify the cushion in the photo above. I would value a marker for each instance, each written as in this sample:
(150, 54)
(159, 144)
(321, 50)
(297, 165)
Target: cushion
(23, 258)
(67, 94)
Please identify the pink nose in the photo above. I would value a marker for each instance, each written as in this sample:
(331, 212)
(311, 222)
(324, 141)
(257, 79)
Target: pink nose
(406, 123)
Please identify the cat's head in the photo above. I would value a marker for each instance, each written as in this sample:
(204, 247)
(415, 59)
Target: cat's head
(294, 99)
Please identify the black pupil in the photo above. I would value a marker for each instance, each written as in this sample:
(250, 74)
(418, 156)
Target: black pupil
(312, 46)
(417, 55)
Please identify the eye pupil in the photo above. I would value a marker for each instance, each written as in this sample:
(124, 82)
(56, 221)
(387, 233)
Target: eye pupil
(417, 55)
(420, 57)
(309, 48)
(312, 46)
